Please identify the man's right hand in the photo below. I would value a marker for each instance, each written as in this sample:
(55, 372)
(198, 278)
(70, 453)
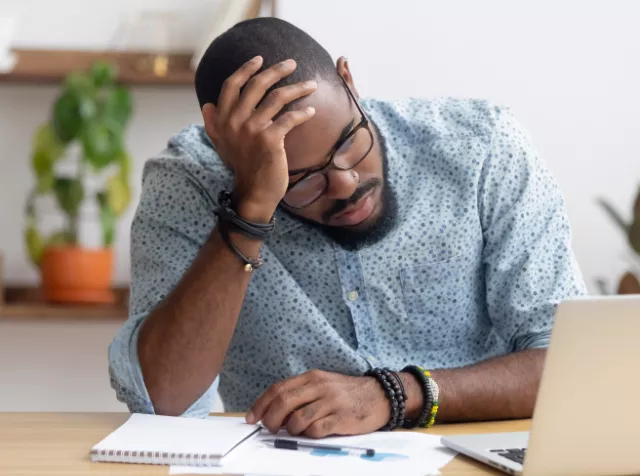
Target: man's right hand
(249, 140)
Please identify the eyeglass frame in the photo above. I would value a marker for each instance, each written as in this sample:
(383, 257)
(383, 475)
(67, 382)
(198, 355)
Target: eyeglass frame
(364, 123)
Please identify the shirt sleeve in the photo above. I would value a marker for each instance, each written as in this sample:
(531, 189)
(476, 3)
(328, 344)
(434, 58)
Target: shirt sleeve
(530, 266)
(173, 219)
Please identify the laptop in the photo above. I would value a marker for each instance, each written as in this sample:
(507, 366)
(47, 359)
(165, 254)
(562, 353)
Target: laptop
(587, 414)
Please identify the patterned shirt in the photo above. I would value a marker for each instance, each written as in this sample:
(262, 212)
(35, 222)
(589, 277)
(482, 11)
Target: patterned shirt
(479, 259)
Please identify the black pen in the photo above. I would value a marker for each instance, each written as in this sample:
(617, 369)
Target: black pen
(295, 445)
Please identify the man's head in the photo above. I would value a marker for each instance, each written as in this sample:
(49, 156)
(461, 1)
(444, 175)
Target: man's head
(357, 207)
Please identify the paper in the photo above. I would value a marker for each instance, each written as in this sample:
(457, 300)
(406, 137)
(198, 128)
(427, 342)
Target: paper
(406, 453)
(214, 437)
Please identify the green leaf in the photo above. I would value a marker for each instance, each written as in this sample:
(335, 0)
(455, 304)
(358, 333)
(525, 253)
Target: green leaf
(80, 84)
(59, 238)
(102, 142)
(47, 149)
(67, 118)
(118, 194)
(69, 193)
(118, 105)
(125, 166)
(45, 182)
(35, 244)
(614, 215)
(103, 73)
(107, 219)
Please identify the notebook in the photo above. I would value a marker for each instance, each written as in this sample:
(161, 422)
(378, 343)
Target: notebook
(154, 439)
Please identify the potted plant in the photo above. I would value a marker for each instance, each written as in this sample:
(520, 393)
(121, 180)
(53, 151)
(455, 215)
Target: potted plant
(630, 281)
(85, 132)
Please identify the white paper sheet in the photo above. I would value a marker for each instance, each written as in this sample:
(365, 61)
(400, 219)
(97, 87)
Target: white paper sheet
(406, 453)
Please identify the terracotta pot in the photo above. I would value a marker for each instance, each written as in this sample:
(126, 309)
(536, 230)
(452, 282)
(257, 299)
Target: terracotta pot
(77, 275)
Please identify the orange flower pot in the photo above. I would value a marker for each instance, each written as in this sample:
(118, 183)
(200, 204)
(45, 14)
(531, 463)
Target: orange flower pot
(77, 275)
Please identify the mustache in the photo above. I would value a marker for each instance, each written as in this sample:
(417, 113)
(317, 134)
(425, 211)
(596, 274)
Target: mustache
(341, 205)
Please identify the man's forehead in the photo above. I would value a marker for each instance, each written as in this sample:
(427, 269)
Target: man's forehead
(308, 144)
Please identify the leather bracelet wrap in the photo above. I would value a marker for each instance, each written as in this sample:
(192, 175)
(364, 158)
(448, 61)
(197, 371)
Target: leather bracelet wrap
(225, 212)
(249, 263)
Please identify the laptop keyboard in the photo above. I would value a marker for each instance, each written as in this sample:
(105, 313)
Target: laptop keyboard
(514, 454)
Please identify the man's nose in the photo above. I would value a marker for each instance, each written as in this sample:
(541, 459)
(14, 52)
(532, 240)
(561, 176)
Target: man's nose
(342, 184)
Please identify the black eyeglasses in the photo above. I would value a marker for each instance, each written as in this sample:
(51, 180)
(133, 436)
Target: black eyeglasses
(346, 155)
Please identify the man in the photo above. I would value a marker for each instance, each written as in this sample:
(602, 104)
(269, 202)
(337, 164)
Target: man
(416, 232)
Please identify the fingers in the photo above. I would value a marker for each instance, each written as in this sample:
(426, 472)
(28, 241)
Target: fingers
(259, 407)
(288, 402)
(300, 420)
(257, 87)
(322, 427)
(279, 98)
(233, 84)
(289, 120)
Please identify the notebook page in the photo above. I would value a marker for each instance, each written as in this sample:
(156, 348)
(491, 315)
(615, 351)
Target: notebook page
(213, 436)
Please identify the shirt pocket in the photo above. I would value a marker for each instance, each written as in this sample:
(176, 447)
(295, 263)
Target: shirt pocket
(440, 303)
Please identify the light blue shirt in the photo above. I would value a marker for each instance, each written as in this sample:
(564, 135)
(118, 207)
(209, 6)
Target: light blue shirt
(480, 258)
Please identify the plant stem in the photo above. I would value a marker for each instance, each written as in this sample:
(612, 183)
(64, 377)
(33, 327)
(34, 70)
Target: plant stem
(73, 218)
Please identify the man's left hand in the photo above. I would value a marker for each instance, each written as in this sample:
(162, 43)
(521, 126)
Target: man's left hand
(318, 404)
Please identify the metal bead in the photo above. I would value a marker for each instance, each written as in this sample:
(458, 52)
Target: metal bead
(248, 268)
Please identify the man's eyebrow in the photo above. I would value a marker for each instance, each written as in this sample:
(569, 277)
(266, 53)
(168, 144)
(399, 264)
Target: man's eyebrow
(343, 134)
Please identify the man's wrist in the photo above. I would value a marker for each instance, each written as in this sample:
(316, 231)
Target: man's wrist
(255, 212)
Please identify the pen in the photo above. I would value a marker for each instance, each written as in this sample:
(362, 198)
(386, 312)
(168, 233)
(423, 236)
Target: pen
(295, 445)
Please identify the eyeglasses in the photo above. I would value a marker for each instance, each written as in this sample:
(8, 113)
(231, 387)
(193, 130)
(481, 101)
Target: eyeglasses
(345, 155)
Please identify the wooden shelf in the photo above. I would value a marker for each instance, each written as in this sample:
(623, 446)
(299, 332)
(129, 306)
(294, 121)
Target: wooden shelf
(136, 69)
(27, 303)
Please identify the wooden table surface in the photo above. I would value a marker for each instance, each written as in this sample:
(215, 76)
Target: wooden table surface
(59, 444)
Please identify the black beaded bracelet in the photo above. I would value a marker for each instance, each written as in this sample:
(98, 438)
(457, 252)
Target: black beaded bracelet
(395, 395)
(401, 395)
(426, 394)
(225, 213)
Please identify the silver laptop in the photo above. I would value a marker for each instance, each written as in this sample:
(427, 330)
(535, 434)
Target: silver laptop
(587, 415)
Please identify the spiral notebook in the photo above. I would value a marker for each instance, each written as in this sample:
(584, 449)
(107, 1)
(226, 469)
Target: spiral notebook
(154, 439)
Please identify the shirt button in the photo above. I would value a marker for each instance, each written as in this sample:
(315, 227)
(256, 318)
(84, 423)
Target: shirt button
(352, 296)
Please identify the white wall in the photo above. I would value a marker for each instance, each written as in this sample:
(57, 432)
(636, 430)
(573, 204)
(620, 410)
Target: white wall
(568, 69)
(58, 366)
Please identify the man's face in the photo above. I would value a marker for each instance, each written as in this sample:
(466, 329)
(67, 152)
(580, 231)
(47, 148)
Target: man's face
(358, 206)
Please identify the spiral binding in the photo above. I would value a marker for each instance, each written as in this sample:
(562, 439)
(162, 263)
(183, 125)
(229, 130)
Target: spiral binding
(154, 457)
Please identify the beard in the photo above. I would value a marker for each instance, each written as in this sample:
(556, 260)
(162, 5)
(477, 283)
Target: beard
(354, 238)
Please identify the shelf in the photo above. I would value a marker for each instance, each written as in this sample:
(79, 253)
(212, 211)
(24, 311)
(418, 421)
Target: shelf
(136, 69)
(27, 303)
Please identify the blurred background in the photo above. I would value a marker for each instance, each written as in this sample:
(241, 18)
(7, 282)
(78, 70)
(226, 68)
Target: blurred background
(90, 90)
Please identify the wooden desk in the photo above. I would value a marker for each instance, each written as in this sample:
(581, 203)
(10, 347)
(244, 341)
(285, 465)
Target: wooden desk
(59, 444)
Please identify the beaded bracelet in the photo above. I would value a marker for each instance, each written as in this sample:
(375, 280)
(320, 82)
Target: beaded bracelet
(401, 395)
(395, 395)
(430, 392)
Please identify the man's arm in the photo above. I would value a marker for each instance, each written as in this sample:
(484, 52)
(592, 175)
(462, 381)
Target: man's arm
(497, 389)
(183, 340)
(182, 343)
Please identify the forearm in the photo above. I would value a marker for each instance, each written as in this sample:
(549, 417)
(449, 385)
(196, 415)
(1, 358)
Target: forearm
(497, 389)
(183, 341)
